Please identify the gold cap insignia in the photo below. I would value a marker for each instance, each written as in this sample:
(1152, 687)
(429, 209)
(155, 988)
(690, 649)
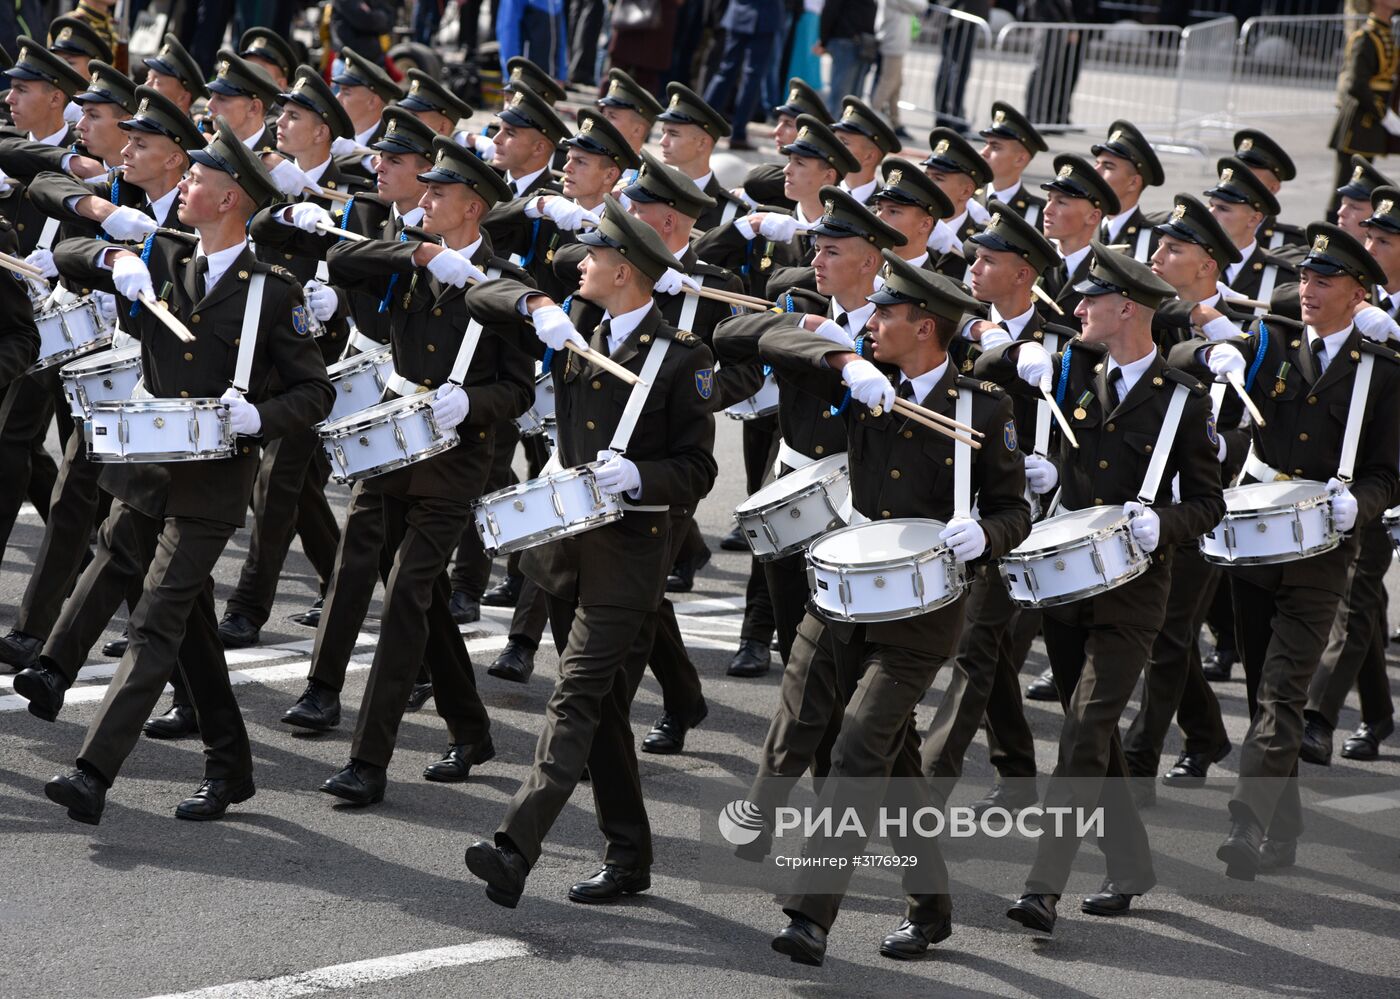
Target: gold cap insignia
(1116, 135)
(895, 178)
(1227, 175)
(587, 125)
(517, 100)
(143, 107)
(64, 35)
(830, 206)
(392, 129)
(258, 43)
(223, 67)
(92, 83)
(995, 221)
(1178, 213)
(23, 55)
(941, 148)
(803, 132)
(795, 96)
(1066, 171)
(415, 86)
(516, 74)
(675, 100)
(1384, 207)
(441, 160)
(849, 113)
(1357, 174)
(1320, 244)
(1245, 145)
(999, 118)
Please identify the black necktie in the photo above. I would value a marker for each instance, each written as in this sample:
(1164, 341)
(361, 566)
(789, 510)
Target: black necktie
(201, 270)
(1319, 352)
(605, 333)
(1115, 385)
(841, 321)
(906, 390)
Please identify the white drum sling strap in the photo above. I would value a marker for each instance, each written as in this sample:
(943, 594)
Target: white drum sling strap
(1356, 413)
(248, 336)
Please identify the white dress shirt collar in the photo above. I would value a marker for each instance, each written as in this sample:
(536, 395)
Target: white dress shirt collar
(856, 318)
(411, 217)
(51, 140)
(1116, 223)
(862, 193)
(1333, 342)
(703, 181)
(363, 138)
(923, 384)
(219, 262)
(470, 249)
(1132, 371)
(317, 172)
(1233, 271)
(1005, 196)
(520, 184)
(621, 327)
(162, 207)
(919, 261)
(1014, 324)
(955, 223)
(1073, 260)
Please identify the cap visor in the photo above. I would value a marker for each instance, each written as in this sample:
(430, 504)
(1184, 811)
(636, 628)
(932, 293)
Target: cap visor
(885, 297)
(226, 88)
(993, 241)
(415, 103)
(1090, 288)
(1322, 265)
(20, 73)
(160, 66)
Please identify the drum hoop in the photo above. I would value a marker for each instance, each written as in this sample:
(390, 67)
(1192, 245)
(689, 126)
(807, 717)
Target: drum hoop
(396, 463)
(102, 365)
(1136, 568)
(558, 531)
(365, 359)
(1118, 527)
(156, 405)
(403, 404)
(838, 472)
(812, 488)
(70, 354)
(902, 560)
(1311, 503)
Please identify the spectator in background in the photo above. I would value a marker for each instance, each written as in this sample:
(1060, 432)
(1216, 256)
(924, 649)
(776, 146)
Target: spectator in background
(847, 34)
(955, 49)
(1058, 60)
(585, 25)
(804, 62)
(894, 29)
(362, 26)
(97, 15)
(749, 27)
(427, 15)
(643, 40)
(533, 29)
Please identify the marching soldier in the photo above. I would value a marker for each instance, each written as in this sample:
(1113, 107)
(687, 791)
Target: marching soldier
(1354, 197)
(77, 43)
(1127, 161)
(764, 182)
(1274, 167)
(1078, 202)
(689, 130)
(243, 96)
(270, 52)
(521, 72)
(364, 90)
(1011, 143)
(629, 108)
(1240, 202)
(433, 104)
(911, 204)
(870, 139)
(1363, 93)
(959, 171)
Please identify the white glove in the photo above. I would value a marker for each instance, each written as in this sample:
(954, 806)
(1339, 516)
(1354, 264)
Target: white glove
(1223, 359)
(1376, 324)
(778, 228)
(306, 216)
(869, 385)
(964, 538)
(553, 328)
(4, 183)
(836, 334)
(568, 215)
(128, 224)
(671, 282)
(344, 147)
(1041, 474)
(618, 475)
(1144, 524)
(1391, 122)
(943, 239)
(450, 267)
(72, 112)
(1343, 505)
(43, 259)
(485, 147)
(131, 277)
(292, 180)
(243, 416)
(321, 299)
(450, 406)
(1034, 366)
(745, 225)
(107, 308)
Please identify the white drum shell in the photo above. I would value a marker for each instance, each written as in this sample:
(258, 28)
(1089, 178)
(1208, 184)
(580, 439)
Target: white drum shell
(105, 376)
(561, 504)
(888, 570)
(359, 382)
(787, 514)
(1271, 522)
(163, 430)
(764, 402)
(70, 331)
(386, 436)
(540, 416)
(1073, 556)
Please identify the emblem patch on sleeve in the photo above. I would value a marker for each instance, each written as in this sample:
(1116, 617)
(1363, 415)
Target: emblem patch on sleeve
(301, 320)
(1212, 434)
(705, 382)
(1008, 435)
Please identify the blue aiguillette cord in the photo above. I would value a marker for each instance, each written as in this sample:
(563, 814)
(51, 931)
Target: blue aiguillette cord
(1258, 356)
(145, 259)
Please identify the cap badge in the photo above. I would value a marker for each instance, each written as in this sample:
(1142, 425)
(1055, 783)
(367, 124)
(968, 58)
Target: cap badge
(1116, 135)
(518, 99)
(143, 107)
(415, 86)
(1178, 213)
(1245, 145)
(223, 67)
(895, 178)
(392, 128)
(23, 55)
(1227, 175)
(999, 118)
(1066, 171)
(849, 113)
(941, 148)
(830, 206)
(795, 96)
(65, 34)
(1385, 207)
(803, 132)
(1357, 174)
(675, 100)
(1320, 244)
(258, 43)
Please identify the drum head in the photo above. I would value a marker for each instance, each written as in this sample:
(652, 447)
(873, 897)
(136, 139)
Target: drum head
(878, 542)
(104, 359)
(1263, 495)
(794, 481)
(376, 413)
(1072, 526)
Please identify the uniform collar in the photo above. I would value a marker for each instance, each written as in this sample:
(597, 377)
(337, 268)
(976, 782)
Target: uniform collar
(623, 326)
(411, 217)
(364, 138)
(317, 172)
(51, 140)
(862, 193)
(522, 184)
(1132, 371)
(1073, 261)
(1005, 196)
(1014, 324)
(918, 261)
(856, 318)
(219, 262)
(1116, 223)
(161, 207)
(1333, 341)
(924, 384)
(1233, 271)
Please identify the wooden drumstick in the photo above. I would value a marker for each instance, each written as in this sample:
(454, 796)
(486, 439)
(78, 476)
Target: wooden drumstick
(335, 196)
(1044, 296)
(918, 417)
(606, 363)
(911, 409)
(1237, 383)
(1059, 416)
(1248, 303)
(728, 297)
(331, 230)
(21, 267)
(157, 309)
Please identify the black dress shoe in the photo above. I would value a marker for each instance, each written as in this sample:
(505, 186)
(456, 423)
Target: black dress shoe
(44, 689)
(358, 783)
(1218, 664)
(1143, 791)
(418, 696)
(1276, 854)
(503, 870)
(1007, 796)
(912, 940)
(1042, 688)
(734, 541)
(754, 658)
(1034, 912)
(803, 941)
(1317, 742)
(1190, 769)
(212, 799)
(311, 617)
(177, 723)
(464, 609)
(20, 651)
(237, 632)
(1363, 744)
(505, 593)
(318, 708)
(116, 648)
(82, 794)
(610, 884)
(515, 663)
(1107, 901)
(667, 736)
(682, 577)
(1241, 849)
(456, 764)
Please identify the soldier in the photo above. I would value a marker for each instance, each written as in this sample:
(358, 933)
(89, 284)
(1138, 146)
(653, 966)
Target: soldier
(1127, 161)
(1283, 611)
(76, 42)
(763, 184)
(1079, 200)
(690, 128)
(1354, 197)
(897, 469)
(243, 96)
(1363, 93)
(913, 205)
(173, 73)
(959, 171)
(433, 104)
(1122, 392)
(629, 108)
(520, 71)
(1274, 167)
(1012, 143)
(271, 53)
(1240, 202)
(870, 139)
(364, 90)
(181, 527)
(604, 584)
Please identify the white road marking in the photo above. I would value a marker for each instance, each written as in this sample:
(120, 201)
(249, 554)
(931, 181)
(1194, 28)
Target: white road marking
(1364, 804)
(341, 977)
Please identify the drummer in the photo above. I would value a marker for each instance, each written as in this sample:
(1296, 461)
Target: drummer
(1117, 391)
(898, 468)
(630, 108)
(958, 170)
(1300, 379)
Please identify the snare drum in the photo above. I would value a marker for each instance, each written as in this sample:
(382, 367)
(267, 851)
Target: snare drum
(787, 514)
(557, 505)
(70, 331)
(1073, 556)
(359, 381)
(1391, 520)
(1271, 522)
(106, 375)
(165, 430)
(887, 570)
(539, 417)
(764, 402)
(386, 436)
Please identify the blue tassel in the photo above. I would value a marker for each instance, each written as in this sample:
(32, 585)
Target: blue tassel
(1258, 356)
(145, 259)
(393, 278)
(1064, 376)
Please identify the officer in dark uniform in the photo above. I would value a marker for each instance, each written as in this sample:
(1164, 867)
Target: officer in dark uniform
(426, 505)
(1127, 161)
(1011, 145)
(1274, 168)
(870, 139)
(433, 104)
(606, 583)
(365, 90)
(1364, 87)
(1080, 199)
(909, 202)
(690, 128)
(959, 170)
(173, 72)
(764, 181)
(1237, 197)
(243, 95)
(1303, 383)
(206, 281)
(630, 108)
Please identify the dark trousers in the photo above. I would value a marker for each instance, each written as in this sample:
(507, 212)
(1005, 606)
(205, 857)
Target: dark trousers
(28, 471)
(1050, 88)
(994, 643)
(1221, 616)
(585, 27)
(422, 533)
(1355, 652)
(788, 592)
(743, 65)
(955, 50)
(760, 441)
(878, 742)
(176, 603)
(288, 497)
(1174, 683)
(603, 654)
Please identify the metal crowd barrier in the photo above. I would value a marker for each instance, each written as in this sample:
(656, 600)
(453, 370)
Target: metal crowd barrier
(1288, 66)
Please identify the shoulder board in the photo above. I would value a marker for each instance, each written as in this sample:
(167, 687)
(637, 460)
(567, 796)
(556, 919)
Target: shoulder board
(773, 210)
(710, 270)
(277, 270)
(1276, 321)
(420, 234)
(728, 195)
(683, 337)
(977, 385)
(178, 236)
(510, 270)
(1184, 378)
(1282, 263)
(1380, 349)
(1093, 351)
